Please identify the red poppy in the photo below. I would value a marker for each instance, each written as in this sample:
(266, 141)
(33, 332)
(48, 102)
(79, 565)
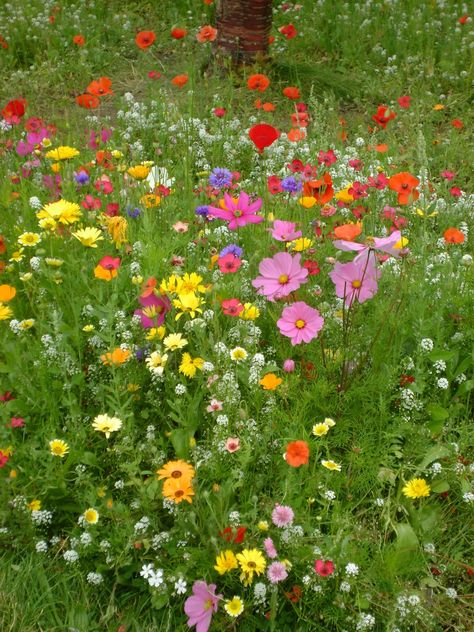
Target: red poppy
(110, 263)
(206, 34)
(295, 594)
(14, 110)
(79, 40)
(232, 307)
(455, 191)
(404, 102)
(180, 80)
(322, 189)
(100, 87)
(453, 236)
(3, 42)
(228, 534)
(323, 568)
(291, 92)
(274, 185)
(296, 134)
(88, 101)
(219, 112)
(457, 124)
(178, 33)
(404, 184)
(271, 39)
(144, 39)
(263, 135)
(348, 232)
(258, 82)
(297, 453)
(289, 31)
(3, 248)
(229, 263)
(463, 19)
(312, 267)
(383, 116)
(154, 74)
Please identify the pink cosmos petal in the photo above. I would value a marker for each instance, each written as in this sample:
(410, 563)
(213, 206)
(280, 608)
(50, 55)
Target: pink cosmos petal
(341, 244)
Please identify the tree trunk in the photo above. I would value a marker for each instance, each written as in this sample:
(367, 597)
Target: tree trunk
(243, 28)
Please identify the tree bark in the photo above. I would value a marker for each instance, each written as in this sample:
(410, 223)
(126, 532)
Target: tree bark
(243, 28)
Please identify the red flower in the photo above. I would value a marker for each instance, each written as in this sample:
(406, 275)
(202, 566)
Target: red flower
(455, 191)
(144, 39)
(154, 74)
(323, 568)
(457, 124)
(295, 594)
(312, 267)
(16, 422)
(327, 158)
(229, 263)
(3, 459)
(228, 534)
(297, 453)
(14, 110)
(383, 116)
(232, 307)
(463, 19)
(79, 40)
(296, 166)
(258, 82)
(263, 135)
(291, 92)
(404, 102)
(219, 112)
(6, 397)
(322, 189)
(178, 33)
(100, 87)
(110, 263)
(453, 236)
(88, 101)
(274, 185)
(404, 184)
(288, 31)
(206, 34)
(180, 80)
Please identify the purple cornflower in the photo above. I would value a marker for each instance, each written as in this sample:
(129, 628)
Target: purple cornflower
(203, 211)
(220, 178)
(134, 212)
(81, 177)
(282, 515)
(231, 249)
(276, 572)
(291, 185)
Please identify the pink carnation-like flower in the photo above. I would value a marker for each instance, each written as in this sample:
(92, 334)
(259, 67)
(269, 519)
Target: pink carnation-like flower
(300, 322)
(277, 572)
(201, 605)
(280, 275)
(238, 213)
(270, 549)
(356, 280)
(282, 515)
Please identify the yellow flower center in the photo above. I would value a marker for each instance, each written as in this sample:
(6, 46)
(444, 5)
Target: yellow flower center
(208, 604)
(356, 284)
(283, 278)
(300, 323)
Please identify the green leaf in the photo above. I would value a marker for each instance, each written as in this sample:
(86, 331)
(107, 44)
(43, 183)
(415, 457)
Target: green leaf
(159, 600)
(438, 487)
(437, 412)
(435, 453)
(180, 440)
(465, 387)
(406, 537)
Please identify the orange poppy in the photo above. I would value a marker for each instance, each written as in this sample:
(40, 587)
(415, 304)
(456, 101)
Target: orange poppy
(100, 87)
(7, 292)
(180, 80)
(144, 39)
(291, 92)
(116, 357)
(404, 184)
(88, 101)
(104, 273)
(266, 107)
(297, 453)
(258, 82)
(322, 189)
(295, 134)
(79, 40)
(348, 232)
(206, 34)
(270, 381)
(452, 236)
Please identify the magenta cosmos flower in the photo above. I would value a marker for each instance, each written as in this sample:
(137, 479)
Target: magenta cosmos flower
(300, 322)
(238, 212)
(392, 245)
(154, 309)
(280, 275)
(356, 280)
(201, 605)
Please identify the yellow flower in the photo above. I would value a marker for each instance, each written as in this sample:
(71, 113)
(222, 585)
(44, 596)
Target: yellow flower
(117, 153)
(177, 469)
(156, 333)
(115, 358)
(416, 488)
(225, 562)
(234, 606)
(62, 153)
(157, 362)
(250, 312)
(48, 223)
(91, 516)
(26, 324)
(174, 342)
(26, 277)
(344, 195)
(319, 430)
(7, 293)
(53, 262)
(133, 388)
(137, 280)
(178, 489)
(171, 285)
(262, 525)
(106, 424)
(46, 142)
(34, 505)
(331, 465)
(238, 354)
(58, 447)
(88, 328)
(188, 304)
(329, 422)
(438, 107)
(5, 312)
(301, 244)
(151, 200)
(88, 236)
(190, 283)
(189, 365)
(307, 201)
(251, 561)
(421, 213)
(270, 382)
(61, 211)
(18, 255)
(117, 228)
(139, 172)
(29, 239)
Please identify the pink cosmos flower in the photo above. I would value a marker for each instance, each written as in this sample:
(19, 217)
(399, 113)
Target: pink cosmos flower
(238, 213)
(232, 444)
(201, 605)
(280, 275)
(154, 310)
(229, 263)
(356, 280)
(300, 322)
(324, 568)
(277, 572)
(270, 549)
(285, 231)
(391, 245)
(282, 516)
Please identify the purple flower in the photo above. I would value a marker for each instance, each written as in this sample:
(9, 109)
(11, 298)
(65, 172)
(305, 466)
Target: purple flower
(291, 185)
(276, 572)
(220, 178)
(202, 211)
(134, 212)
(231, 249)
(356, 280)
(238, 213)
(282, 516)
(81, 177)
(280, 275)
(201, 605)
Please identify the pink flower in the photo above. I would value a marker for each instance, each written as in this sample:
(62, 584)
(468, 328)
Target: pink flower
(214, 405)
(357, 279)
(358, 190)
(391, 245)
(3, 459)
(110, 263)
(232, 306)
(17, 422)
(300, 322)
(219, 112)
(324, 568)
(270, 549)
(238, 213)
(455, 191)
(448, 175)
(285, 231)
(282, 516)
(327, 158)
(229, 263)
(276, 572)
(280, 275)
(379, 182)
(232, 444)
(201, 605)
(154, 310)
(91, 203)
(289, 365)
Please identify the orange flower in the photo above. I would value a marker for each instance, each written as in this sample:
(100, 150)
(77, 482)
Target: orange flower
(270, 381)
(88, 101)
(404, 184)
(348, 232)
(258, 82)
(117, 357)
(206, 34)
(144, 39)
(7, 292)
(180, 80)
(451, 236)
(297, 453)
(79, 40)
(291, 92)
(103, 273)
(322, 189)
(100, 87)
(178, 489)
(296, 134)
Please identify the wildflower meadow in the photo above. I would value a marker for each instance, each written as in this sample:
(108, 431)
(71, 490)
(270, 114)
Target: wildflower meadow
(236, 317)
